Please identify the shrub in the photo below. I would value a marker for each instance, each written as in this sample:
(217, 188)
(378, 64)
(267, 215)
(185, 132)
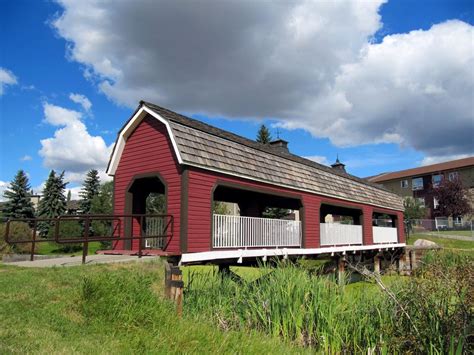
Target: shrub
(18, 231)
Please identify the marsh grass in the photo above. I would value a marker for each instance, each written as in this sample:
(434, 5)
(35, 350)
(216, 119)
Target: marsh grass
(315, 311)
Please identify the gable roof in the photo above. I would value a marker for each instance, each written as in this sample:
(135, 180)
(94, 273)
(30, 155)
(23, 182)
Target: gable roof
(434, 168)
(210, 148)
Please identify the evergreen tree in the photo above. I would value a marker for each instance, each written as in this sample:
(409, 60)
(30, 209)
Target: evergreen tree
(90, 189)
(53, 203)
(18, 204)
(102, 202)
(263, 135)
(68, 199)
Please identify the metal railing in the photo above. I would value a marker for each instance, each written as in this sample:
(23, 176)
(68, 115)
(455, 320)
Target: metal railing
(243, 232)
(333, 234)
(385, 235)
(83, 229)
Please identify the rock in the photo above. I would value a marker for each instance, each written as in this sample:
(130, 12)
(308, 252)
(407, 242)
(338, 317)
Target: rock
(425, 243)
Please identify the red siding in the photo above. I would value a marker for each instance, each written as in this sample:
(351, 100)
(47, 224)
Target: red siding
(201, 184)
(147, 150)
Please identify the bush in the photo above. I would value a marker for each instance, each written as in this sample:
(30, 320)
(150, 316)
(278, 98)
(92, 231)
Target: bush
(18, 231)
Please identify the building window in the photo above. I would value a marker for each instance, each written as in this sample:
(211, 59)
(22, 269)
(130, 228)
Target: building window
(453, 176)
(421, 201)
(404, 184)
(436, 180)
(435, 203)
(417, 183)
(457, 221)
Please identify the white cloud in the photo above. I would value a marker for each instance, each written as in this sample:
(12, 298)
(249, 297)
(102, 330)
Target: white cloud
(3, 186)
(318, 159)
(6, 78)
(26, 158)
(306, 64)
(72, 148)
(81, 100)
(442, 159)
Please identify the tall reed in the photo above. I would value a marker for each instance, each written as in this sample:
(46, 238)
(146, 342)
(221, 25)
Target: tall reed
(316, 311)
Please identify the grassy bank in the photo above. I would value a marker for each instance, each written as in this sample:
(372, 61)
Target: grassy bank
(119, 308)
(443, 242)
(107, 309)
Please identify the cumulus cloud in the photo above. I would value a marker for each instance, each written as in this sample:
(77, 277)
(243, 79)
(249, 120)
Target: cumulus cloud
(81, 100)
(306, 64)
(72, 148)
(3, 186)
(6, 78)
(436, 160)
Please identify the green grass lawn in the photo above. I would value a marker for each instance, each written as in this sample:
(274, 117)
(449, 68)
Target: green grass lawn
(102, 309)
(51, 248)
(443, 242)
(461, 233)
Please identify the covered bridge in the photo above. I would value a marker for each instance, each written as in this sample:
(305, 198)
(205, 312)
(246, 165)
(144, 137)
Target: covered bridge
(192, 165)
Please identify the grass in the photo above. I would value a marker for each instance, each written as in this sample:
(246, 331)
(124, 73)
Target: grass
(315, 311)
(119, 308)
(102, 309)
(467, 233)
(51, 248)
(443, 242)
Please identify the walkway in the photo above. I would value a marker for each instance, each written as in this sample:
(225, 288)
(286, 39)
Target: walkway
(77, 260)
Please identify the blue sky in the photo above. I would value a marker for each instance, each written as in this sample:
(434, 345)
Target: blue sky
(48, 62)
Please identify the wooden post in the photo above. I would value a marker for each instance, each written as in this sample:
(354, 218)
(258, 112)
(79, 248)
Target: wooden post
(341, 266)
(377, 263)
(174, 286)
(414, 262)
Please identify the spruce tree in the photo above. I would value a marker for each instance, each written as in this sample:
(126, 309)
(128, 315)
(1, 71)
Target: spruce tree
(18, 204)
(90, 189)
(263, 135)
(53, 202)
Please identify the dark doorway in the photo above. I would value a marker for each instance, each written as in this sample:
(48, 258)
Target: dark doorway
(146, 195)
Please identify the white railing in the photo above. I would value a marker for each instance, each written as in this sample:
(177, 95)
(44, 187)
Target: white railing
(154, 226)
(242, 232)
(340, 234)
(385, 235)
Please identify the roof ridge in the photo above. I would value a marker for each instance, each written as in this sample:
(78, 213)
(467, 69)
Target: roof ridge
(257, 145)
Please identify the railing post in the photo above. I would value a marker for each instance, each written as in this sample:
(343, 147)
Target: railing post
(140, 240)
(85, 245)
(32, 256)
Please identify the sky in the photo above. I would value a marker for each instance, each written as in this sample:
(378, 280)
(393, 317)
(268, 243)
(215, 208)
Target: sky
(383, 85)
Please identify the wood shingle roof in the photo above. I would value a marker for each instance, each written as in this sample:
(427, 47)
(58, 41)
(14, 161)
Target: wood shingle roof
(211, 148)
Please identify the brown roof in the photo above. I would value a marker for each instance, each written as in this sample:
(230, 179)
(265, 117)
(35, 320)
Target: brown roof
(428, 169)
(211, 148)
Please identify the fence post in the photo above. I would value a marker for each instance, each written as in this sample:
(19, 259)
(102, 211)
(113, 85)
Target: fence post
(85, 245)
(174, 286)
(32, 256)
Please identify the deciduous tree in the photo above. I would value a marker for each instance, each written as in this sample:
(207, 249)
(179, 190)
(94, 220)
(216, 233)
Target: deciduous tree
(452, 198)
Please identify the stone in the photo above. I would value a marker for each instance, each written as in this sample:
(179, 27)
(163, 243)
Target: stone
(425, 243)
